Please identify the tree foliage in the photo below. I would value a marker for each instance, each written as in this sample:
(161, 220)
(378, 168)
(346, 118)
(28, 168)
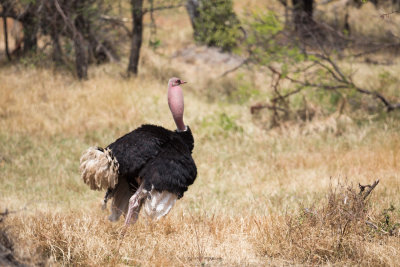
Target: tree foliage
(73, 23)
(305, 72)
(216, 24)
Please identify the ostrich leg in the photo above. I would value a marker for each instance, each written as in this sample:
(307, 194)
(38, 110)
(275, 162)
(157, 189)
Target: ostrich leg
(109, 194)
(135, 203)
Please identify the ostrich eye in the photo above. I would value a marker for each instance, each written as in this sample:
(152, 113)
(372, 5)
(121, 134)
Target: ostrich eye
(178, 82)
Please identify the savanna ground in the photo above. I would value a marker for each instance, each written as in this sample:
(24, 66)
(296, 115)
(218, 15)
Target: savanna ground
(263, 196)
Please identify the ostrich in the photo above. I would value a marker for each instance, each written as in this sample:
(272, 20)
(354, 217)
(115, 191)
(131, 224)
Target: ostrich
(150, 166)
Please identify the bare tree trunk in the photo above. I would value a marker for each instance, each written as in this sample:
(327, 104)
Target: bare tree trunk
(30, 30)
(137, 34)
(81, 52)
(81, 60)
(6, 36)
(57, 51)
(81, 45)
(302, 15)
(192, 9)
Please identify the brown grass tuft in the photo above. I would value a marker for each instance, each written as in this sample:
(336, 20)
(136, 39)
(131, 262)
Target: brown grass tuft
(334, 233)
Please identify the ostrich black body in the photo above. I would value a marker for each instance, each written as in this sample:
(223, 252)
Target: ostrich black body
(162, 158)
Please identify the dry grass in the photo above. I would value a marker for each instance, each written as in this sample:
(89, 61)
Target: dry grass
(334, 233)
(247, 206)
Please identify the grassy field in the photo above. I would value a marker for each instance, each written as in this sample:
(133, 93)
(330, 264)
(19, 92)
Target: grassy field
(262, 196)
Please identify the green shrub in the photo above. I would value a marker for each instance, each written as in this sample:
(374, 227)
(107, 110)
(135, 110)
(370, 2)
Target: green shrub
(217, 24)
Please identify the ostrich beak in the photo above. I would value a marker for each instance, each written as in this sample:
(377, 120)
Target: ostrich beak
(183, 82)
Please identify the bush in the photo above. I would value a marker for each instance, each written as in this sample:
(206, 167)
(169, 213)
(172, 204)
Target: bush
(334, 233)
(216, 24)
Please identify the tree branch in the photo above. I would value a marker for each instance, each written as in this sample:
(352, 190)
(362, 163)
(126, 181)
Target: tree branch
(9, 15)
(68, 22)
(6, 37)
(369, 190)
(235, 68)
(344, 84)
(145, 10)
(259, 106)
(119, 22)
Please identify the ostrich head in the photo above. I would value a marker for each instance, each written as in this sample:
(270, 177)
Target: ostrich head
(175, 102)
(175, 81)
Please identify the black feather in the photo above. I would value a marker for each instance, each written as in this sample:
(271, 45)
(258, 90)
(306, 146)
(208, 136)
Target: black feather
(160, 157)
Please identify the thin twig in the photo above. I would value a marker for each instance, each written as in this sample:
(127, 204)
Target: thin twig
(235, 68)
(375, 49)
(387, 15)
(345, 84)
(6, 37)
(369, 190)
(119, 22)
(371, 224)
(256, 107)
(110, 18)
(145, 10)
(68, 22)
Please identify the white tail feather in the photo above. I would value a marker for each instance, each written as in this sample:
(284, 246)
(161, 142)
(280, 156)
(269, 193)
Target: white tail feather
(99, 169)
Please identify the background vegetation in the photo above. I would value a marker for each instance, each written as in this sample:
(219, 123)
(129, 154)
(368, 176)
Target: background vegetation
(286, 127)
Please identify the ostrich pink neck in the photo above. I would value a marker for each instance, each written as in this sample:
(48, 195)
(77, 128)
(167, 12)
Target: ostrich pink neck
(175, 102)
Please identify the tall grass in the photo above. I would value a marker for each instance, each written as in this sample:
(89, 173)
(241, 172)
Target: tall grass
(246, 207)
